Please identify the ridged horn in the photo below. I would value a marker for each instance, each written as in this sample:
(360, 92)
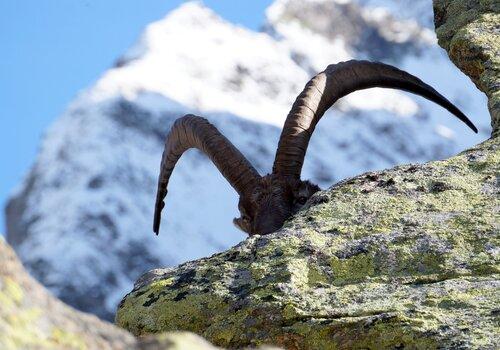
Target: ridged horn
(192, 131)
(322, 91)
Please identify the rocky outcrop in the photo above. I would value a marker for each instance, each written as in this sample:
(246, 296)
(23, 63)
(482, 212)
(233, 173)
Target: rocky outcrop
(30, 317)
(469, 31)
(183, 341)
(406, 257)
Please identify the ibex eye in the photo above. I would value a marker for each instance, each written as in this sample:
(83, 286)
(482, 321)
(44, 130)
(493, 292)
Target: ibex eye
(302, 200)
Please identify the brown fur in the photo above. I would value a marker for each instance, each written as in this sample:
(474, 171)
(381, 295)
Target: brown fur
(273, 199)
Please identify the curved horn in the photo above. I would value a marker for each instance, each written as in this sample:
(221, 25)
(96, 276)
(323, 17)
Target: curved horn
(322, 91)
(192, 131)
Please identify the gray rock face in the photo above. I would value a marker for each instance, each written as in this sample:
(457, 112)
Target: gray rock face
(81, 221)
(403, 258)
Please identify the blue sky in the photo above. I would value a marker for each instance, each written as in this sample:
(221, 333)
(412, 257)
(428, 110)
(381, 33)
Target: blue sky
(51, 49)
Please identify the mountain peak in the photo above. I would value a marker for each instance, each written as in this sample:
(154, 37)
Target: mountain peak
(189, 13)
(156, 34)
(198, 59)
(190, 8)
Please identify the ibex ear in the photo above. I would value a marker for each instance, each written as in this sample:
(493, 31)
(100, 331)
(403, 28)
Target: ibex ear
(305, 189)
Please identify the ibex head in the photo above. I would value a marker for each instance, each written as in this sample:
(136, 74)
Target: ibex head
(271, 201)
(267, 201)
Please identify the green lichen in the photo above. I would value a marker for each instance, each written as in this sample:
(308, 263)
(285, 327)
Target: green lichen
(177, 341)
(402, 258)
(191, 308)
(20, 324)
(10, 293)
(67, 340)
(353, 269)
(31, 318)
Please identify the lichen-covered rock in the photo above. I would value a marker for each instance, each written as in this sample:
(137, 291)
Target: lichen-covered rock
(182, 341)
(177, 341)
(407, 257)
(470, 31)
(31, 318)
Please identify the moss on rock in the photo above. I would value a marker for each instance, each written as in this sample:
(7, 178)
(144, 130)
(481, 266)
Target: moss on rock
(469, 31)
(406, 257)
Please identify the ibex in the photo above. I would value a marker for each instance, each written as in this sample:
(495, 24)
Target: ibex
(267, 201)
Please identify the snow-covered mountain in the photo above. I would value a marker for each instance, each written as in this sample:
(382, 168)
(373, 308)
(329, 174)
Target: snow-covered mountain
(82, 219)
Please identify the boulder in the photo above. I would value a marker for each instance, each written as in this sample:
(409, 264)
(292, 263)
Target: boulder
(402, 258)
